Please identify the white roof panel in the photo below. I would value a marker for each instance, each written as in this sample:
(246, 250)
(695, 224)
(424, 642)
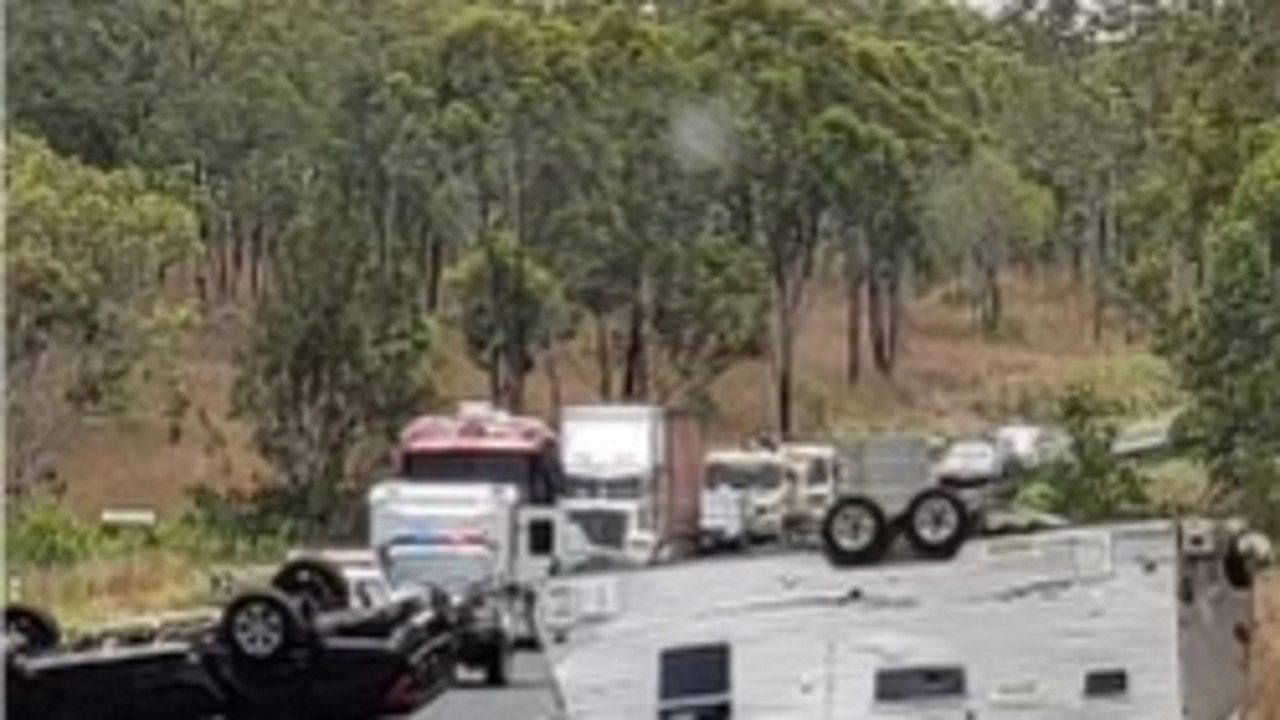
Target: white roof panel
(1026, 617)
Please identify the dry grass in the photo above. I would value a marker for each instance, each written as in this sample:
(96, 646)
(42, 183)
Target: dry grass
(97, 591)
(1264, 664)
(951, 379)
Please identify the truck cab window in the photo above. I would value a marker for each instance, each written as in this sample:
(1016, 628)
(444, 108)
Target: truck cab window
(542, 537)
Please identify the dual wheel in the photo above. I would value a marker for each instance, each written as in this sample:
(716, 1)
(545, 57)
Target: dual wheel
(856, 531)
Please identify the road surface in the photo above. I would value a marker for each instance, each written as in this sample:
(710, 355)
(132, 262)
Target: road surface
(531, 696)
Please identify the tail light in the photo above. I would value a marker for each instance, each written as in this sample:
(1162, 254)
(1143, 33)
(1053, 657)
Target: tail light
(402, 696)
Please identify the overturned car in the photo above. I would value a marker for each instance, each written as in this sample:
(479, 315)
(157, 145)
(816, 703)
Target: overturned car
(305, 647)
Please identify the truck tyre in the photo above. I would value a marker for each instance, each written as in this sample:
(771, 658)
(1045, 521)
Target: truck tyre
(936, 524)
(497, 671)
(1246, 552)
(315, 580)
(28, 630)
(855, 532)
(262, 630)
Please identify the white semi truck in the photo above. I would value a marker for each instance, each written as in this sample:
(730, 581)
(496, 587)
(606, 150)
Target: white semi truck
(630, 476)
(763, 494)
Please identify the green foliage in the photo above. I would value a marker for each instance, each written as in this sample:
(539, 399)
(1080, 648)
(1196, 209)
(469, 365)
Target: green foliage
(511, 308)
(1226, 349)
(87, 324)
(679, 177)
(336, 363)
(1090, 482)
(44, 533)
(711, 301)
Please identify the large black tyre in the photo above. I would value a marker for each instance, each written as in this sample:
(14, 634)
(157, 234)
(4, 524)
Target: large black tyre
(937, 524)
(28, 630)
(855, 531)
(1242, 558)
(317, 581)
(263, 630)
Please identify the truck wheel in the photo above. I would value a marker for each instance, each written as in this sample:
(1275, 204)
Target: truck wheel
(855, 532)
(1246, 553)
(28, 630)
(315, 580)
(497, 671)
(261, 629)
(937, 524)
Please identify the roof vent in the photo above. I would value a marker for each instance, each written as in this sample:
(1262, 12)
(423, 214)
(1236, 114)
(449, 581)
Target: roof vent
(695, 682)
(932, 682)
(1109, 683)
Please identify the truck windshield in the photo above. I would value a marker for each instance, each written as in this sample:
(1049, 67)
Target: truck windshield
(742, 476)
(452, 572)
(538, 481)
(468, 467)
(620, 488)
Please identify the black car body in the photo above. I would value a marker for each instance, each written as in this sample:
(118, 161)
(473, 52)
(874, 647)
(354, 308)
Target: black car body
(325, 660)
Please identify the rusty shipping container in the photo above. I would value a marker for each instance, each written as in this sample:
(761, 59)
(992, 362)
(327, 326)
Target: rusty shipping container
(681, 491)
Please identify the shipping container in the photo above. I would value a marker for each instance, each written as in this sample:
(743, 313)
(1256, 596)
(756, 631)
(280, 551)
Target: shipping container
(682, 491)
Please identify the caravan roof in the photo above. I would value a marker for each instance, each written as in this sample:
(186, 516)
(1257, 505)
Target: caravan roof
(1017, 627)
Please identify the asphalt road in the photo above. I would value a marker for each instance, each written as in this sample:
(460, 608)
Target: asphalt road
(530, 696)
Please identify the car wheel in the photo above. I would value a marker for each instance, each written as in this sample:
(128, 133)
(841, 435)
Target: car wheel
(937, 524)
(497, 671)
(855, 532)
(28, 630)
(262, 629)
(315, 580)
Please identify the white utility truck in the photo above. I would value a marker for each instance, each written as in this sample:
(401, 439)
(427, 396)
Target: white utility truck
(475, 494)
(760, 494)
(742, 494)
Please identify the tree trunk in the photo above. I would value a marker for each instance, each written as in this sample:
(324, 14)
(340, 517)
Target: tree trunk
(255, 259)
(221, 252)
(855, 282)
(435, 271)
(604, 356)
(896, 311)
(876, 313)
(786, 369)
(993, 306)
(555, 397)
(495, 376)
(237, 254)
(635, 379)
(1100, 265)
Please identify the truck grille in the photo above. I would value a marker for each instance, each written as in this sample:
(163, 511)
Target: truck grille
(607, 528)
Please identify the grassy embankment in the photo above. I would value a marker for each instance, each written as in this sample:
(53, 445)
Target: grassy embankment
(951, 380)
